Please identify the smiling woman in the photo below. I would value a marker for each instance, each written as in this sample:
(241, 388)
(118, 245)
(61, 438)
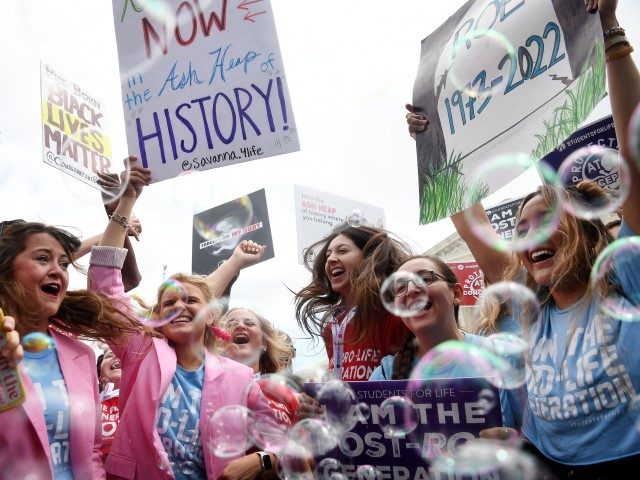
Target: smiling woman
(34, 259)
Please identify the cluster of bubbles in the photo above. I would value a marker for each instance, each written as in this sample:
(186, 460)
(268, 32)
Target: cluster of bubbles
(222, 230)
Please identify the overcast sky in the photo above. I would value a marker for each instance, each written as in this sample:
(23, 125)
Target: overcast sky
(350, 69)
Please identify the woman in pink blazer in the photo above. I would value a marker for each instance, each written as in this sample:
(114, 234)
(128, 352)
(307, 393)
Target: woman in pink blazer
(171, 383)
(55, 432)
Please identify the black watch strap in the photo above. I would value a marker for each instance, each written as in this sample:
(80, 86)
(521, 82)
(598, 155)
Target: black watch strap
(265, 461)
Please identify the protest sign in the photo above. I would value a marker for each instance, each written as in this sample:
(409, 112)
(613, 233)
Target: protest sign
(203, 84)
(317, 213)
(503, 218)
(501, 77)
(217, 231)
(471, 278)
(443, 414)
(601, 133)
(73, 128)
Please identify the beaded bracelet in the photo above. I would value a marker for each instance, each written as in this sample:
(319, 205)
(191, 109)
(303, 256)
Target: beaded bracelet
(609, 32)
(613, 41)
(120, 220)
(619, 53)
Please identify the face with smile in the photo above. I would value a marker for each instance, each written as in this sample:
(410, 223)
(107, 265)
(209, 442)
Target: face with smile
(187, 326)
(539, 260)
(438, 312)
(342, 259)
(246, 336)
(110, 371)
(41, 269)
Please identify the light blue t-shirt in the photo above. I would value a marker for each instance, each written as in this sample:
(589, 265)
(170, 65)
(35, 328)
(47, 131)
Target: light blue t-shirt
(179, 423)
(583, 377)
(44, 371)
(510, 400)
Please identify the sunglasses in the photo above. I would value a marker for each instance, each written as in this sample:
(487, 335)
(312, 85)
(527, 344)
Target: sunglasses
(401, 287)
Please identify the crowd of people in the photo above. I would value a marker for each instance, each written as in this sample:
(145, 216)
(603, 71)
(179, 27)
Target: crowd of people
(156, 404)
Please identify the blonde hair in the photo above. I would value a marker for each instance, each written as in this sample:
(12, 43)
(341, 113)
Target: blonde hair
(279, 351)
(199, 281)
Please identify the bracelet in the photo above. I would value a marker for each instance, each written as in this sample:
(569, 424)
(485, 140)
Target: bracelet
(620, 53)
(609, 32)
(120, 220)
(613, 41)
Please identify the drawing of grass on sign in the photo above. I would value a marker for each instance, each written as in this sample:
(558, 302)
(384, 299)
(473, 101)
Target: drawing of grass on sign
(444, 191)
(566, 119)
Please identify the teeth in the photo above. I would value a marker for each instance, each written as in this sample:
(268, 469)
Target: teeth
(337, 271)
(539, 253)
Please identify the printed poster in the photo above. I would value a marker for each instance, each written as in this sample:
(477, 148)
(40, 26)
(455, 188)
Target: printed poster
(503, 218)
(217, 231)
(499, 78)
(203, 84)
(471, 277)
(74, 138)
(447, 413)
(318, 213)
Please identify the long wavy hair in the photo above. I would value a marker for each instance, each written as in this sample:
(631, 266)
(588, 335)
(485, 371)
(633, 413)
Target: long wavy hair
(199, 281)
(279, 351)
(403, 360)
(82, 313)
(317, 303)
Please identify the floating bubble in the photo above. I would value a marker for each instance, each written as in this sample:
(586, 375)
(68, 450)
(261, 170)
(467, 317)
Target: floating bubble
(404, 294)
(634, 136)
(294, 462)
(37, 342)
(487, 400)
(618, 260)
(400, 419)
(367, 472)
(511, 351)
(604, 166)
(481, 458)
(220, 231)
(473, 89)
(356, 219)
(328, 467)
(364, 411)
(309, 256)
(167, 311)
(315, 435)
(512, 305)
(540, 229)
(339, 401)
(229, 431)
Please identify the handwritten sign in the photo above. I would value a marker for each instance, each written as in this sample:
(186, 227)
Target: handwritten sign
(73, 128)
(471, 277)
(317, 213)
(503, 218)
(217, 231)
(447, 413)
(501, 77)
(203, 84)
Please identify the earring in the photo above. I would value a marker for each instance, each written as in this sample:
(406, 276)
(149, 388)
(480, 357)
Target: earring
(263, 349)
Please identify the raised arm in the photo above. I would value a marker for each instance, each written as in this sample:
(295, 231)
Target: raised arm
(624, 95)
(246, 253)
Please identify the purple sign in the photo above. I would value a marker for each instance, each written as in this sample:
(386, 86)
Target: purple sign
(408, 427)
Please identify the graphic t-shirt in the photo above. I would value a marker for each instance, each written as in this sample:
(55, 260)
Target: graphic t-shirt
(584, 378)
(359, 360)
(179, 423)
(110, 416)
(44, 371)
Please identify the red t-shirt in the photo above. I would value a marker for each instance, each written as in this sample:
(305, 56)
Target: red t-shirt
(282, 400)
(110, 419)
(361, 358)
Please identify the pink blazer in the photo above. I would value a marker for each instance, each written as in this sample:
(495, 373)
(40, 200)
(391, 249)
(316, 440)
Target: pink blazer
(24, 444)
(148, 365)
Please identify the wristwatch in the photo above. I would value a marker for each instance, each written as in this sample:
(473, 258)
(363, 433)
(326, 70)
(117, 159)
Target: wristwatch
(265, 461)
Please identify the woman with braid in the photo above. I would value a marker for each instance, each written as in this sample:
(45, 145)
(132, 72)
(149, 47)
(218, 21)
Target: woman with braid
(437, 323)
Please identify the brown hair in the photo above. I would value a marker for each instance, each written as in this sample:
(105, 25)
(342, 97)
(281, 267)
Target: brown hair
(317, 303)
(199, 281)
(403, 360)
(279, 352)
(82, 312)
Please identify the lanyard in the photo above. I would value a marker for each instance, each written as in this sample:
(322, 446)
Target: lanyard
(338, 332)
